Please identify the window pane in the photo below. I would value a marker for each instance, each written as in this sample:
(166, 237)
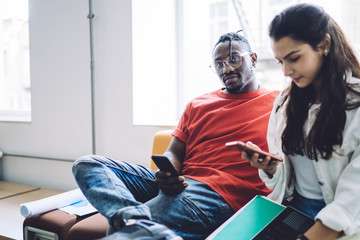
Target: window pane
(154, 63)
(14, 60)
(197, 25)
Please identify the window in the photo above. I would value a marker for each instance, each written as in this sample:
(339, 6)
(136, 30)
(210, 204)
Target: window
(154, 62)
(172, 48)
(14, 61)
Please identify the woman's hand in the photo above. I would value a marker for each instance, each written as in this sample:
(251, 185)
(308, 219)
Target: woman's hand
(255, 161)
(320, 231)
(170, 185)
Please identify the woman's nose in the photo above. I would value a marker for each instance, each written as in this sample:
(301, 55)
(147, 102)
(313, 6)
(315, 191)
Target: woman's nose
(287, 70)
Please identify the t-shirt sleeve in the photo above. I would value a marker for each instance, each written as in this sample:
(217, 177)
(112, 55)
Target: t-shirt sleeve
(182, 130)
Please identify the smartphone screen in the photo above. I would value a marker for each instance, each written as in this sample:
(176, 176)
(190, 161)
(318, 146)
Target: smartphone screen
(251, 150)
(164, 164)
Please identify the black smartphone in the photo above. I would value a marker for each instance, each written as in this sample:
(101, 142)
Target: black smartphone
(164, 164)
(250, 151)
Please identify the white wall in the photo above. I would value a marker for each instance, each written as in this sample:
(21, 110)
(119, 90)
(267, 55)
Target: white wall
(61, 94)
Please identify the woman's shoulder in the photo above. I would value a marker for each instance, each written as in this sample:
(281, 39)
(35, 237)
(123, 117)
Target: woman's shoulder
(353, 93)
(281, 99)
(353, 82)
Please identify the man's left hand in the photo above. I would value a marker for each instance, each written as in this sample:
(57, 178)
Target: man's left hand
(170, 185)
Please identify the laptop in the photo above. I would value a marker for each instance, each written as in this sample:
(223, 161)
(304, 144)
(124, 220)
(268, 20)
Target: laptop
(286, 226)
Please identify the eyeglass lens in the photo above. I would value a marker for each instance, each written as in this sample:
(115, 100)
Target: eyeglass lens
(233, 61)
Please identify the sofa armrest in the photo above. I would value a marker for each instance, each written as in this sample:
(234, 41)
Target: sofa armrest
(161, 142)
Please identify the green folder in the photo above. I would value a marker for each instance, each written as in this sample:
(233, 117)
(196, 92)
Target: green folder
(249, 220)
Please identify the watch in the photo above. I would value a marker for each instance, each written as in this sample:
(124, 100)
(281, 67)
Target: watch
(302, 237)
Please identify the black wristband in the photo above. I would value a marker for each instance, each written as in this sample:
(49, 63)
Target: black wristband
(302, 237)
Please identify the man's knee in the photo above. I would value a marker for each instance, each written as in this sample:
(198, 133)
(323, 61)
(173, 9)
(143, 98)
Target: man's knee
(84, 163)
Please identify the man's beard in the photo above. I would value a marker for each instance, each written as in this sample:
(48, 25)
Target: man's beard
(236, 89)
(240, 88)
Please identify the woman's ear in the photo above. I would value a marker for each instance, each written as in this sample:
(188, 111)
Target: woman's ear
(325, 44)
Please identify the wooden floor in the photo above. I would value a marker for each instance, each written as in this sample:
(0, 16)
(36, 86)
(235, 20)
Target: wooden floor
(5, 238)
(10, 217)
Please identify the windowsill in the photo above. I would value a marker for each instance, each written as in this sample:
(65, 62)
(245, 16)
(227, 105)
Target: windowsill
(20, 116)
(156, 122)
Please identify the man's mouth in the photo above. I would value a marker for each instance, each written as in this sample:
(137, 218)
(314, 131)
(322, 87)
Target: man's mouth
(230, 77)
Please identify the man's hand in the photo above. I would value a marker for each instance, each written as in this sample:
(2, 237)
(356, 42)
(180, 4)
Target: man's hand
(170, 185)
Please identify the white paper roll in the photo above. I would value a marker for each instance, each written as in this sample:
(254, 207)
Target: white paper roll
(51, 203)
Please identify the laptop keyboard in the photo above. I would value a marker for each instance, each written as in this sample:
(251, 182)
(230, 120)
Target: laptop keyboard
(286, 226)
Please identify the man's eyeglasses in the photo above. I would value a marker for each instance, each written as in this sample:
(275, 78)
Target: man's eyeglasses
(233, 61)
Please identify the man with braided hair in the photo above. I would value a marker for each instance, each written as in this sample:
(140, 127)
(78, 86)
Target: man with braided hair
(214, 180)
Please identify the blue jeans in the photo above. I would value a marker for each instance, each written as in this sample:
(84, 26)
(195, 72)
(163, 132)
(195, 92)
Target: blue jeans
(307, 206)
(121, 191)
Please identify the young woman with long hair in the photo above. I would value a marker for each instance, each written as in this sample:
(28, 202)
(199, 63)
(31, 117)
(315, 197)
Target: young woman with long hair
(315, 123)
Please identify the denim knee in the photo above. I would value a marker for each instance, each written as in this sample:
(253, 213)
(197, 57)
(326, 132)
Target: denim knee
(83, 163)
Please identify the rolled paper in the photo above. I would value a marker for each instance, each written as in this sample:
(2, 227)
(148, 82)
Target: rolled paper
(50, 203)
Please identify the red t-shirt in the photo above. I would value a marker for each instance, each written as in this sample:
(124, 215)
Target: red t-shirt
(210, 121)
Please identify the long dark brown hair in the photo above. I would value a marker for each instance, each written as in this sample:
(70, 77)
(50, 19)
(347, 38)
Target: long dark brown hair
(309, 24)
